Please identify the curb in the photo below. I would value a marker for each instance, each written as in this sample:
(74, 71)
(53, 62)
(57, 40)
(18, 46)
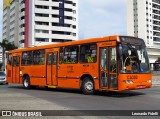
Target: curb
(156, 84)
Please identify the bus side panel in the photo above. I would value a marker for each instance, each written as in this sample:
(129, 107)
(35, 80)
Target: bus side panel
(69, 75)
(96, 84)
(38, 75)
(20, 80)
(92, 70)
(9, 74)
(68, 83)
(38, 81)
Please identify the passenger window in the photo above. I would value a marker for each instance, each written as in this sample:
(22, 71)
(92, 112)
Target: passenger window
(16, 61)
(71, 55)
(38, 57)
(9, 61)
(49, 59)
(88, 53)
(27, 58)
(54, 60)
(61, 55)
(113, 60)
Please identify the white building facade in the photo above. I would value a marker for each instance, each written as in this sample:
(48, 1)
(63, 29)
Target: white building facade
(143, 21)
(41, 22)
(1, 55)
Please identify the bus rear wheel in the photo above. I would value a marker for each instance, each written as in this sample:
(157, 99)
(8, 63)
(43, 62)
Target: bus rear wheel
(87, 86)
(26, 82)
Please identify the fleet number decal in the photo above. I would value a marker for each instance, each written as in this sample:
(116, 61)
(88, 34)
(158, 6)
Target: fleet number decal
(132, 77)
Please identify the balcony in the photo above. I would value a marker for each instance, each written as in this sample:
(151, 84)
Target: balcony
(156, 34)
(156, 40)
(156, 1)
(156, 28)
(156, 23)
(156, 17)
(155, 6)
(156, 12)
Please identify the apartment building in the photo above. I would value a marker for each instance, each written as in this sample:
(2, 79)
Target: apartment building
(143, 21)
(0, 55)
(28, 23)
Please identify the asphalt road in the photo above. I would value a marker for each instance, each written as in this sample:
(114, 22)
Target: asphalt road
(14, 97)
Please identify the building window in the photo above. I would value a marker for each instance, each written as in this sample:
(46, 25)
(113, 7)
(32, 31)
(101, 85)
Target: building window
(42, 39)
(42, 23)
(42, 7)
(74, 26)
(74, 34)
(42, 31)
(41, 15)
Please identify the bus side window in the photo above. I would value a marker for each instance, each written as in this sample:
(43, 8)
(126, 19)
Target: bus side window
(88, 53)
(16, 61)
(9, 61)
(27, 58)
(71, 55)
(61, 55)
(113, 60)
(38, 57)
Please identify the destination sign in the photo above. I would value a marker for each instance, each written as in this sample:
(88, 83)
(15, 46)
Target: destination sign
(131, 40)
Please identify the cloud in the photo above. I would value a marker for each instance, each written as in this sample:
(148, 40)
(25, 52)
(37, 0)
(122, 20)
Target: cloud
(101, 18)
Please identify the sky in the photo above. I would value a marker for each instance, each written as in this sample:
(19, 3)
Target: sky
(97, 18)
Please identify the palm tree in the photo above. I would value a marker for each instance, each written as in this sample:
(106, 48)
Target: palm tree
(6, 46)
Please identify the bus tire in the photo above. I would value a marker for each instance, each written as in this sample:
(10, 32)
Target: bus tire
(87, 86)
(26, 82)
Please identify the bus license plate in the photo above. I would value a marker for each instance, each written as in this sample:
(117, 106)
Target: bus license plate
(140, 86)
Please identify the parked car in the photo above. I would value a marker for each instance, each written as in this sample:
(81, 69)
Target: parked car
(3, 78)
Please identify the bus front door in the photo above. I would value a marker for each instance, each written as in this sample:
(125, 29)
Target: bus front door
(52, 68)
(108, 68)
(16, 69)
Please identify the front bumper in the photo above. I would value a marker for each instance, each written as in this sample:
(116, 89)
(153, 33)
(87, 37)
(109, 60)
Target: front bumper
(3, 82)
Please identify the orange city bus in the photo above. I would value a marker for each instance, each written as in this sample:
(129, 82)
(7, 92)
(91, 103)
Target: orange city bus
(112, 63)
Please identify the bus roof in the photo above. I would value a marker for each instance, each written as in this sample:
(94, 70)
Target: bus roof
(91, 40)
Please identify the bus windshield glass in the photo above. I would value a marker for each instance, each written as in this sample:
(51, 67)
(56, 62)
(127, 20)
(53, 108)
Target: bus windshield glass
(133, 58)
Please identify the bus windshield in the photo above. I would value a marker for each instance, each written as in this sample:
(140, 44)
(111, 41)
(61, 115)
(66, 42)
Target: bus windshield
(133, 58)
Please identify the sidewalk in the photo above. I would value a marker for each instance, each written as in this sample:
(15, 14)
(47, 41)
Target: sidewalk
(156, 80)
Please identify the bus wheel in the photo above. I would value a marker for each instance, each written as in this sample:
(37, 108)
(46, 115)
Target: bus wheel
(87, 86)
(26, 82)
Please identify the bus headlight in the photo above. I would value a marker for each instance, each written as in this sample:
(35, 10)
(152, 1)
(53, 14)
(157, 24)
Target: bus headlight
(128, 81)
(149, 81)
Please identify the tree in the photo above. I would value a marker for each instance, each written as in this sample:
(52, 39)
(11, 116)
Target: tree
(6, 46)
